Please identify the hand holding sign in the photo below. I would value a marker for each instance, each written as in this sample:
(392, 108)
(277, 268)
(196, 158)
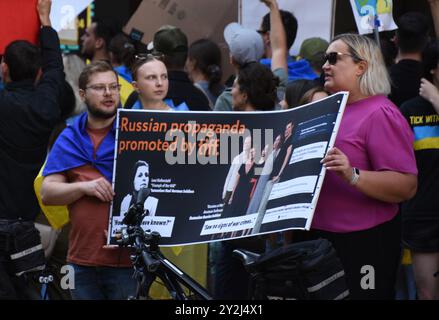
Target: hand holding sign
(99, 188)
(338, 162)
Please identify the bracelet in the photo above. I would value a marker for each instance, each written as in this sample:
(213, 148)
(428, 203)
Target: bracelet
(355, 176)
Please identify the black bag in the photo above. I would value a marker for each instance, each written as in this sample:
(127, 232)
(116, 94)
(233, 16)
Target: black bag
(22, 242)
(308, 270)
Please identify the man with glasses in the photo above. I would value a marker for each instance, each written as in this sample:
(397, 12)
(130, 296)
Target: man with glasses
(78, 174)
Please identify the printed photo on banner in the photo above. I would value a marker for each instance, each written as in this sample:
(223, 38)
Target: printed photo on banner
(205, 176)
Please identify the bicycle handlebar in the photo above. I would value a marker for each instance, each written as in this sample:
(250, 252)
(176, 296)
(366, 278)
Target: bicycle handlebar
(148, 257)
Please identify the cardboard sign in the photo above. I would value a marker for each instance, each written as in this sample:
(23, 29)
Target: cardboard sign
(365, 12)
(198, 19)
(19, 21)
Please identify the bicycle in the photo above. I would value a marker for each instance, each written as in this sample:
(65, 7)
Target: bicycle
(149, 263)
(305, 270)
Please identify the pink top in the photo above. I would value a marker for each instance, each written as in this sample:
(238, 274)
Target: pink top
(375, 137)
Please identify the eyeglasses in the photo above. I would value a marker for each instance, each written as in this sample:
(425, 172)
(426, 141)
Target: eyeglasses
(332, 57)
(102, 88)
(150, 56)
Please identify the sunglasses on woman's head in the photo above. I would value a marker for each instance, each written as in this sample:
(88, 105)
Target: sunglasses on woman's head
(332, 57)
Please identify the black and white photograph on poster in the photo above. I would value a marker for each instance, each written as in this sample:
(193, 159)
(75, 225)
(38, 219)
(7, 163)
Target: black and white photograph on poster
(206, 176)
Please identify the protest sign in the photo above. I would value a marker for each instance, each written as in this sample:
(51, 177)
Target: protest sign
(366, 12)
(208, 176)
(19, 22)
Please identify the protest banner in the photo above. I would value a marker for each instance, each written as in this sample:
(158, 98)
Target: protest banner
(19, 22)
(210, 176)
(368, 13)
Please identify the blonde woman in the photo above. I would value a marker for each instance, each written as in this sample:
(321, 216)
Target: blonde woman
(370, 170)
(150, 80)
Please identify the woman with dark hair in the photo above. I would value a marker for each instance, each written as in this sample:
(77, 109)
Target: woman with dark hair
(254, 89)
(140, 178)
(240, 198)
(122, 55)
(270, 156)
(203, 66)
(420, 215)
(301, 92)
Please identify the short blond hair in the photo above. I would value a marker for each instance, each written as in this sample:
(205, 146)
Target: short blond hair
(375, 80)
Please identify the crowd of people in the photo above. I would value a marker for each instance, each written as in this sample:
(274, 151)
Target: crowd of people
(377, 198)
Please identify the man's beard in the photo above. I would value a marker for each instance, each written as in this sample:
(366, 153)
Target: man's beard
(87, 54)
(99, 114)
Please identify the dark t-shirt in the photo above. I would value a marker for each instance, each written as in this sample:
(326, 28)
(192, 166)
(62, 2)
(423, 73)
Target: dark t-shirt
(181, 89)
(424, 121)
(406, 78)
